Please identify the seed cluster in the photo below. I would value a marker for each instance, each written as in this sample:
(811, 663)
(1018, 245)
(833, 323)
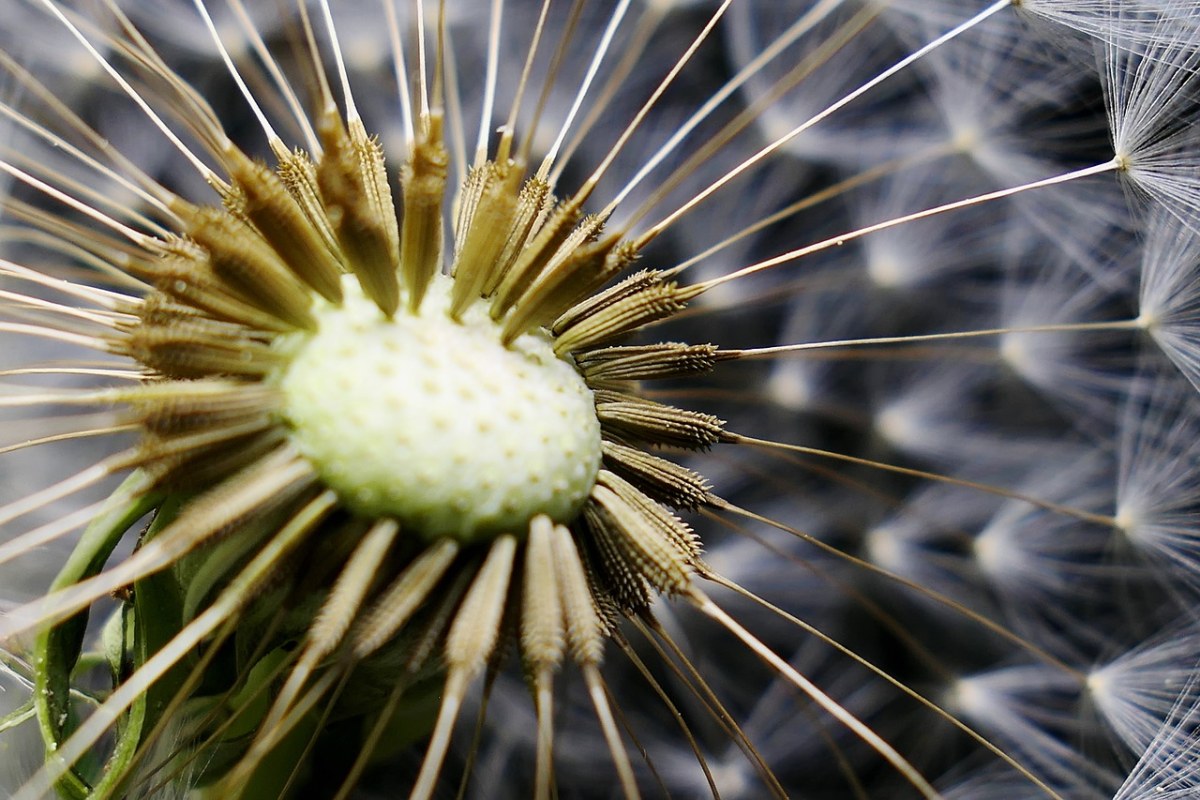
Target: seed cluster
(448, 461)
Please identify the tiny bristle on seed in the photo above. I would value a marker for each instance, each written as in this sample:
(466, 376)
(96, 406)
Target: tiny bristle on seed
(661, 479)
(640, 419)
(424, 183)
(186, 275)
(249, 267)
(354, 187)
(485, 227)
(647, 362)
(533, 257)
(542, 631)
(640, 300)
(262, 197)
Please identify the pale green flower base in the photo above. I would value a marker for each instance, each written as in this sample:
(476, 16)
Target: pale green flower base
(434, 422)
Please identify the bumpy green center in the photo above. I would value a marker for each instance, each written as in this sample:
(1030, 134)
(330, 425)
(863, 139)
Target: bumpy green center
(434, 422)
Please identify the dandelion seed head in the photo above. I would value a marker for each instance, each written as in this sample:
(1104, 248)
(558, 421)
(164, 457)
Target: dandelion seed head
(418, 434)
(885, 548)
(790, 387)
(996, 554)
(732, 777)
(896, 425)
(1019, 352)
(891, 268)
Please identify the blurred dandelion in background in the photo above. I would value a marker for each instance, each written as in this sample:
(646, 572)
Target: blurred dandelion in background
(791, 398)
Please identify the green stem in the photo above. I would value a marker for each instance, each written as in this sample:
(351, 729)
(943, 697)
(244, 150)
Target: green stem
(58, 648)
